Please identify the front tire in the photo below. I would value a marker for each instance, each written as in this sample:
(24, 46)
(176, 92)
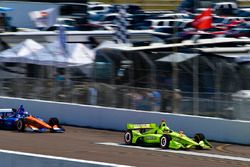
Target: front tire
(128, 137)
(165, 141)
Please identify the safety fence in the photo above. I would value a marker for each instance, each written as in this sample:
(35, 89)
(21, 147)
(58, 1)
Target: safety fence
(222, 105)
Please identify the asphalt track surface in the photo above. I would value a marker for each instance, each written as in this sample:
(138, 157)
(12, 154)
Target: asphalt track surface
(107, 146)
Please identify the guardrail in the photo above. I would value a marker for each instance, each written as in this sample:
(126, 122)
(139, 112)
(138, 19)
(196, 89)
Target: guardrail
(217, 129)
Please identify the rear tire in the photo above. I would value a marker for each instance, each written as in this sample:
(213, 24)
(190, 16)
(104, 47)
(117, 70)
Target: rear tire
(165, 141)
(197, 138)
(128, 137)
(20, 125)
(53, 121)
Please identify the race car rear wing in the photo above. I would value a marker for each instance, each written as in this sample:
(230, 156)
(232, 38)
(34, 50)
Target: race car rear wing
(6, 110)
(141, 126)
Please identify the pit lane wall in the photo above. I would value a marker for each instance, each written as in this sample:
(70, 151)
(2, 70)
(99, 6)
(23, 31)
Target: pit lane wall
(217, 129)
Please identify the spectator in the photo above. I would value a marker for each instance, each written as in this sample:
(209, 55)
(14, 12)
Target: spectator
(92, 96)
(93, 42)
(60, 75)
(156, 100)
(166, 101)
(176, 100)
(137, 100)
(60, 83)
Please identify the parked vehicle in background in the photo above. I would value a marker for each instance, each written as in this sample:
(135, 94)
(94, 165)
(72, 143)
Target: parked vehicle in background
(216, 30)
(169, 30)
(91, 4)
(96, 12)
(227, 22)
(173, 16)
(238, 32)
(139, 21)
(111, 18)
(67, 23)
(243, 12)
(155, 23)
(244, 25)
(70, 24)
(194, 35)
(225, 8)
(187, 5)
(132, 8)
(234, 23)
(143, 25)
(100, 8)
(167, 34)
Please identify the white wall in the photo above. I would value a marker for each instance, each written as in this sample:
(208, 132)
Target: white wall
(216, 129)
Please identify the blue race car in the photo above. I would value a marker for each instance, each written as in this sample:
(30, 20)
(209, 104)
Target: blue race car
(19, 119)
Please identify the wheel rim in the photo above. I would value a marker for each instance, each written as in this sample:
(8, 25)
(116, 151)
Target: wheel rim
(127, 137)
(19, 125)
(163, 141)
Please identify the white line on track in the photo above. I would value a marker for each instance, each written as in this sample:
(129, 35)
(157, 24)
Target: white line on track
(226, 157)
(84, 162)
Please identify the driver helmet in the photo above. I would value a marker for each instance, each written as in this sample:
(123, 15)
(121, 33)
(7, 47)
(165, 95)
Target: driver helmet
(21, 110)
(164, 125)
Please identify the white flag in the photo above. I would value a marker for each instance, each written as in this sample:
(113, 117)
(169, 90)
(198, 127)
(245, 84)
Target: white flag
(44, 18)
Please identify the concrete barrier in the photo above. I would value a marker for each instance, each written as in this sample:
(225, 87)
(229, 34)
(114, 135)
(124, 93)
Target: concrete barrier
(217, 129)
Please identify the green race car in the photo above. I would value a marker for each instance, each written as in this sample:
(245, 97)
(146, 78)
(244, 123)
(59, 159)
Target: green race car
(152, 134)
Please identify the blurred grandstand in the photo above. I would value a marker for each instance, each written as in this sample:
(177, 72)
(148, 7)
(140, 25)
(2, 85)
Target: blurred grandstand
(144, 78)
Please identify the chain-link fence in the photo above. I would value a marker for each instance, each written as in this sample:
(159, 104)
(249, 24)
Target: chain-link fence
(93, 93)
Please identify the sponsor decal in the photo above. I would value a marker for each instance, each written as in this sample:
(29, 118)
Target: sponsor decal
(150, 137)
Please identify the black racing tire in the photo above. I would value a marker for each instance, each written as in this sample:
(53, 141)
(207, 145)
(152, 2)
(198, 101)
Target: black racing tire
(20, 125)
(53, 121)
(199, 137)
(165, 141)
(128, 136)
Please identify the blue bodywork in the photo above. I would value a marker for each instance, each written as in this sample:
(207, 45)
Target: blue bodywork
(8, 120)
(19, 119)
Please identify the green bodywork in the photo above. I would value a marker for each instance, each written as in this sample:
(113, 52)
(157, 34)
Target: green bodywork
(151, 134)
